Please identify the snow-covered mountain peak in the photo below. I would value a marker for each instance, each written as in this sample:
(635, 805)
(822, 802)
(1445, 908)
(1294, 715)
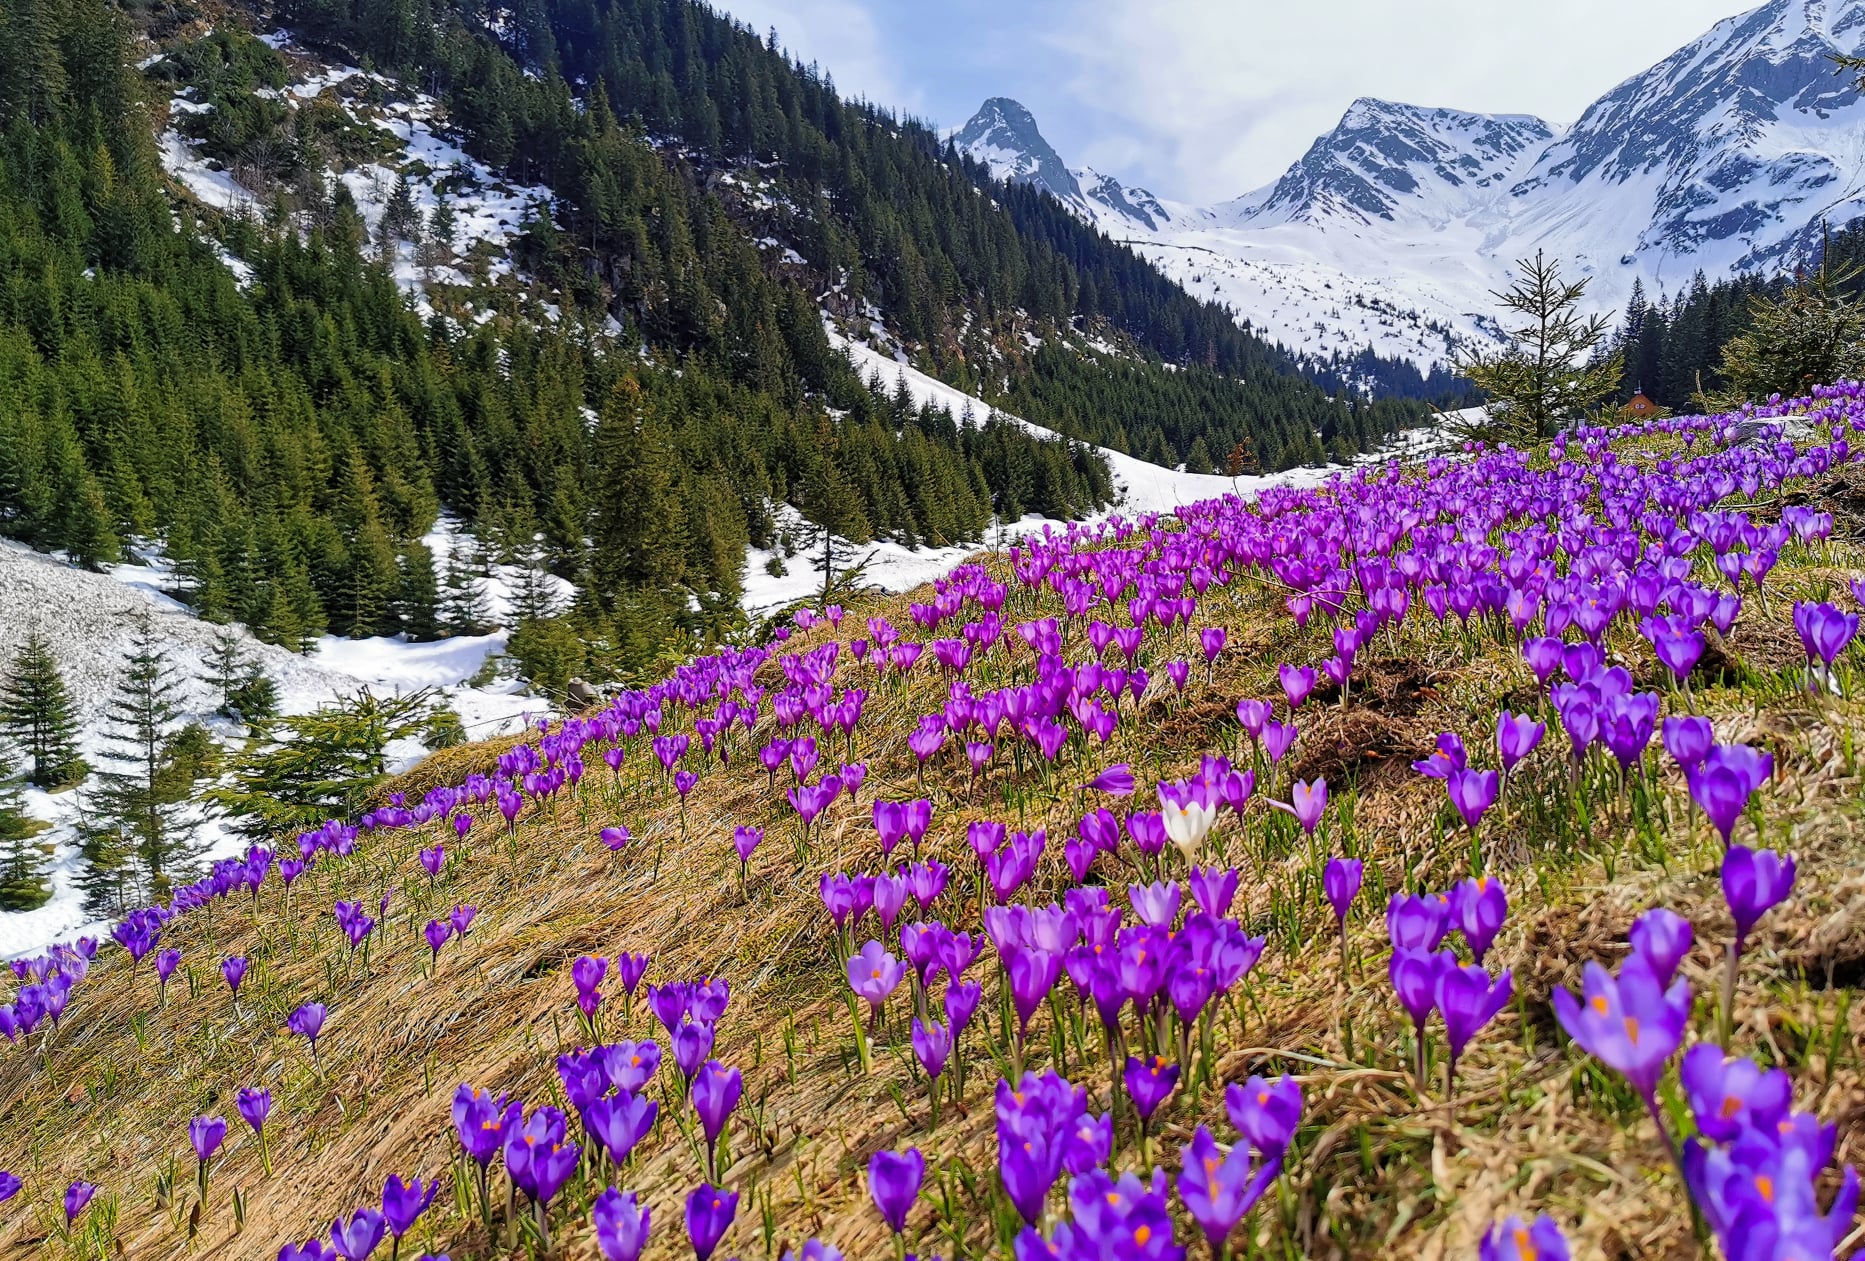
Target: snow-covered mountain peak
(1731, 151)
(1003, 135)
(1385, 160)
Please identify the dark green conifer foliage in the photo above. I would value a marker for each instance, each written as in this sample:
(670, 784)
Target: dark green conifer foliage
(23, 863)
(137, 807)
(36, 712)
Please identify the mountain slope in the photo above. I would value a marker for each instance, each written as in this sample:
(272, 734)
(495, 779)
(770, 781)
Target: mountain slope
(1394, 227)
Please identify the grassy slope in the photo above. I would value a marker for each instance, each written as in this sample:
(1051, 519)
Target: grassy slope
(1377, 1175)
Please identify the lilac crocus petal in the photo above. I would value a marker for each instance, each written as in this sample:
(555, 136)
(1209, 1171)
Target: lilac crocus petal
(894, 1183)
(1754, 883)
(1632, 1023)
(1116, 781)
(1514, 1240)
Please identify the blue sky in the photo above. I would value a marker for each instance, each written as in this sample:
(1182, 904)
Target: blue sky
(1202, 100)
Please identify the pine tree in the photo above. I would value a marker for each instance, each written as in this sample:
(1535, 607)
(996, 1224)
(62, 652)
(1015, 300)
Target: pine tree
(416, 607)
(463, 606)
(23, 863)
(133, 800)
(323, 765)
(35, 710)
(1812, 334)
(245, 692)
(533, 598)
(1542, 376)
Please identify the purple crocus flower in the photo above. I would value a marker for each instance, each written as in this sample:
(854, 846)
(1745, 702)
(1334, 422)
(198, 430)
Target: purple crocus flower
(620, 1121)
(308, 1022)
(358, 1237)
(1631, 1022)
(622, 1224)
(404, 1202)
(205, 1134)
(1218, 1189)
(874, 974)
(1116, 781)
(709, 1214)
(1824, 631)
(932, 1046)
(1754, 883)
(233, 971)
(1724, 781)
(894, 1182)
(1266, 1112)
(1307, 802)
(1297, 683)
(1513, 1240)
(1688, 739)
(1468, 1000)
(1517, 735)
(1341, 884)
(715, 1093)
(9, 1185)
(433, 859)
(538, 1156)
(1730, 1095)
(1213, 889)
(481, 1121)
(461, 918)
(77, 1196)
(1417, 922)
(1149, 1082)
(1662, 938)
(1414, 974)
(1473, 792)
(1478, 907)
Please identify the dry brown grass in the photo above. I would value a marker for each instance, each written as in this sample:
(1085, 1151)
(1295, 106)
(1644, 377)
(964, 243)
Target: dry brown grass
(1378, 1174)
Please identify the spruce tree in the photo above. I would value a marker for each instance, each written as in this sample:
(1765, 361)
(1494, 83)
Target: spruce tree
(23, 863)
(416, 607)
(243, 690)
(463, 606)
(35, 710)
(133, 799)
(1543, 375)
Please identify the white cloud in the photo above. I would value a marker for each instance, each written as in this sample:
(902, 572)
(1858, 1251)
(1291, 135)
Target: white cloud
(1205, 99)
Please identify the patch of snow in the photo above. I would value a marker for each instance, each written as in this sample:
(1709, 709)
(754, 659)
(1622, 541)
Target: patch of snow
(88, 619)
